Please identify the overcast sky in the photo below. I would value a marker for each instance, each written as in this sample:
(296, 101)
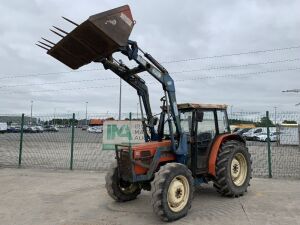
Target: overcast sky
(169, 30)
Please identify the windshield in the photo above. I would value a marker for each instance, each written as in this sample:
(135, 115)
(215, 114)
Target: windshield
(185, 121)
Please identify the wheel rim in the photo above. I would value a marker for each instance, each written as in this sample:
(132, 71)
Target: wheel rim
(178, 193)
(239, 169)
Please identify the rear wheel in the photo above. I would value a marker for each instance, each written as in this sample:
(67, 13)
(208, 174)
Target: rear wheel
(172, 191)
(118, 189)
(233, 169)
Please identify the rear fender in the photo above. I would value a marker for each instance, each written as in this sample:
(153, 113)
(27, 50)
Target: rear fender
(216, 147)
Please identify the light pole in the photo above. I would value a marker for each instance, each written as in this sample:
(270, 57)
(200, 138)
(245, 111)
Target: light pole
(120, 99)
(275, 110)
(54, 116)
(31, 106)
(86, 105)
(137, 110)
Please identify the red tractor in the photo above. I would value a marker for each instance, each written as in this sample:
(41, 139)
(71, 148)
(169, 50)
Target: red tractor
(188, 145)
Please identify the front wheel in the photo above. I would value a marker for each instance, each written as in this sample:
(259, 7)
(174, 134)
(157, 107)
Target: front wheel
(119, 190)
(233, 169)
(172, 191)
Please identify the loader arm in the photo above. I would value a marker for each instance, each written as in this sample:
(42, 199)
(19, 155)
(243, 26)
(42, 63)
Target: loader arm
(130, 76)
(161, 75)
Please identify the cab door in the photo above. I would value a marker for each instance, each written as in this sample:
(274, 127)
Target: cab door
(205, 130)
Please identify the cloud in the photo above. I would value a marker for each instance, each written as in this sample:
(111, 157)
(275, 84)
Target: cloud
(169, 30)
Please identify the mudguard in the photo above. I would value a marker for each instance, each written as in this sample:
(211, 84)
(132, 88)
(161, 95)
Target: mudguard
(215, 150)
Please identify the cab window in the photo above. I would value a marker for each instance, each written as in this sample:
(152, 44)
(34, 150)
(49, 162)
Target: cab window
(207, 125)
(222, 122)
(185, 122)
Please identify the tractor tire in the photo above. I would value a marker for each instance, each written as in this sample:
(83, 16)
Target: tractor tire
(172, 191)
(120, 191)
(233, 169)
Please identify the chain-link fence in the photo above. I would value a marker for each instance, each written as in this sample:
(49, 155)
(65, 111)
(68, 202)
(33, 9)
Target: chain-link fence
(70, 141)
(273, 141)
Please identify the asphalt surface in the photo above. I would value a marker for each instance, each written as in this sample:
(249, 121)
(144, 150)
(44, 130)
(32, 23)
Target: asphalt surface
(42, 197)
(63, 135)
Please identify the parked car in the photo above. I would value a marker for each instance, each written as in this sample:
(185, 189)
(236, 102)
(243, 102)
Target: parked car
(3, 127)
(29, 129)
(39, 129)
(51, 128)
(264, 136)
(253, 133)
(95, 129)
(250, 135)
(236, 130)
(84, 127)
(14, 128)
(242, 131)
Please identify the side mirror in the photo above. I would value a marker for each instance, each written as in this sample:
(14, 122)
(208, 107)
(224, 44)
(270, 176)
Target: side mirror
(199, 116)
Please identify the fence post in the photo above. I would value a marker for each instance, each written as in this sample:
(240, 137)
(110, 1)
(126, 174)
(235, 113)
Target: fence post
(72, 142)
(299, 136)
(278, 134)
(269, 146)
(21, 140)
(129, 141)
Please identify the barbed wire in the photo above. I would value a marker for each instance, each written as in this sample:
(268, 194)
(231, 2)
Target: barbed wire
(240, 75)
(232, 54)
(174, 72)
(66, 89)
(238, 66)
(60, 82)
(46, 74)
(12, 76)
(176, 80)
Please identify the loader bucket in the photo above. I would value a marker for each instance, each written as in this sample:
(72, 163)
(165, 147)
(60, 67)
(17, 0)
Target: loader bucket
(97, 37)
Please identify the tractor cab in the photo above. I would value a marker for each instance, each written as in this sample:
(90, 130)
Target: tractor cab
(202, 123)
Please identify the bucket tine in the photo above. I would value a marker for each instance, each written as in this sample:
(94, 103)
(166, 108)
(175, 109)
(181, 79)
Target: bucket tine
(48, 41)
(43, 47)
(57, 33)
(45, 44)
(70, 21)
(61, 30)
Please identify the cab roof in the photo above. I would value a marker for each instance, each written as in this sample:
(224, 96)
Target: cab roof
(201, 106)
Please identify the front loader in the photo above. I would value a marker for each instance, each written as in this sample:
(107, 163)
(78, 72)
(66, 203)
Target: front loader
(187, 145)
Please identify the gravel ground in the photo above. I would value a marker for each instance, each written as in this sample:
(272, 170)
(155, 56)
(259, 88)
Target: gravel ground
(48, 197)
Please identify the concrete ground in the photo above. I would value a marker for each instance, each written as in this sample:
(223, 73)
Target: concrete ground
(42, 197)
